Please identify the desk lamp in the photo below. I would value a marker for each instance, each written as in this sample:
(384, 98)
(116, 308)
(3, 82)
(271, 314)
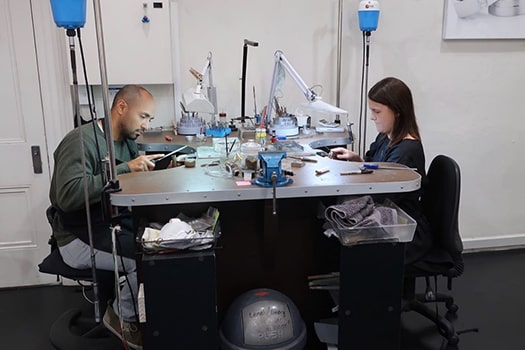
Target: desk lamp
(194, 99)
(198, 100)
(284, 124)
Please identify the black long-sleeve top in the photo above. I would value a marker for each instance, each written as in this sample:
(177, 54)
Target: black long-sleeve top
(410, 153)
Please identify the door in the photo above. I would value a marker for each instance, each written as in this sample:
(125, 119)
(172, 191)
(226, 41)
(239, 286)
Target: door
(24, 183)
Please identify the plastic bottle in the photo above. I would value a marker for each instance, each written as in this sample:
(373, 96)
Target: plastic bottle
(260, 136)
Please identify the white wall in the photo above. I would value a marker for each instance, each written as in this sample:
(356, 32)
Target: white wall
(468, 94)
(467, 97)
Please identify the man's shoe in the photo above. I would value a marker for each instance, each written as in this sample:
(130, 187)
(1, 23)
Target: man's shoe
(130, 333)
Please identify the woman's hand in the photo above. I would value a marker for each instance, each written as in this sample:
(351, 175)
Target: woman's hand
(344, 154)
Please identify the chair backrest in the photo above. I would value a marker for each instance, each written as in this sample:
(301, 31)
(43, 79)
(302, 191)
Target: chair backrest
(440, 202)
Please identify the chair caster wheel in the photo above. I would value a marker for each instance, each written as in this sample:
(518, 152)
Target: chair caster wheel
(452, 308)
(453, 340)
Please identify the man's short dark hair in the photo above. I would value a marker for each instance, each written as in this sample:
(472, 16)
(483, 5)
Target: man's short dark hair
(129, 93)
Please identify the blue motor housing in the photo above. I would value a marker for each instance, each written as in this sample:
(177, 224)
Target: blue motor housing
(368, 20)
(70, 14)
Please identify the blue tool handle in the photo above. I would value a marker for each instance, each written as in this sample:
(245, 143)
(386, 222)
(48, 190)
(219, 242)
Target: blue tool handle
(370, 166)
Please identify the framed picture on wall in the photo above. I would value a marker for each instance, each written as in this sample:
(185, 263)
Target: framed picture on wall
(484, 19)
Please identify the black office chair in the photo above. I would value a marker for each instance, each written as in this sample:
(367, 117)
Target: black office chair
(76, 329)
(440, 202)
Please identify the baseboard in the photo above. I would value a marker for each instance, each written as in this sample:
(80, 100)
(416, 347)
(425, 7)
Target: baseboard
(494, 243)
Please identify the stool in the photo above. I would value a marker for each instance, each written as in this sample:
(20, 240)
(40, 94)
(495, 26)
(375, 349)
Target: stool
(76, 329)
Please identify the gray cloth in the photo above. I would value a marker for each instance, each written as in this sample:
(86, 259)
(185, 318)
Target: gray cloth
(351, 212)
(381, 216)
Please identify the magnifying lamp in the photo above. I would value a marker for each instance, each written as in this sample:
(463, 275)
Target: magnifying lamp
(195, 99)
(314, 102)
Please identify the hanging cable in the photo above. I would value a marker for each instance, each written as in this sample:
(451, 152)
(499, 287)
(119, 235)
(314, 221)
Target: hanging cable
(103, 162)
(127, 280)
(91, 101)
(368, 18)
(361, 103)
(365, 90)
(117, 284)
(71, 34)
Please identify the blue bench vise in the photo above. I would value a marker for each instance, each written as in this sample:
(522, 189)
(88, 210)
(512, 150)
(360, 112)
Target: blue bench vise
(271, 171)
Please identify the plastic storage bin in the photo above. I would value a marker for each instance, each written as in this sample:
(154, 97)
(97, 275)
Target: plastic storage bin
(402, 231)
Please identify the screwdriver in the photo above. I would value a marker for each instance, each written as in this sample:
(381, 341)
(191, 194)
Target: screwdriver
(377, 166)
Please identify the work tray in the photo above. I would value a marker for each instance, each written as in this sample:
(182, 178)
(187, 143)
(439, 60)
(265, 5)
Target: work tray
(208, 241)
(402, 231)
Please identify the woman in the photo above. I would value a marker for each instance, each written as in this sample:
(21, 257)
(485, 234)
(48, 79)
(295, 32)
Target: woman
(392, 111)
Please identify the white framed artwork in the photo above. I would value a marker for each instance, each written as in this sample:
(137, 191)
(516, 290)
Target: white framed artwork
(484, 19)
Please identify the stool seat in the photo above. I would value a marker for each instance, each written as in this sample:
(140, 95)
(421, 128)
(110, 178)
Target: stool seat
(53, 264)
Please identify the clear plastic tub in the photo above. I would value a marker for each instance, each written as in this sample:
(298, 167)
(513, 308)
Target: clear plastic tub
(204, 234)
(402, 231)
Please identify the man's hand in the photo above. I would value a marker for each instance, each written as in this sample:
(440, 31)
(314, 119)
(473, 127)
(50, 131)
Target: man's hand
(143, 163)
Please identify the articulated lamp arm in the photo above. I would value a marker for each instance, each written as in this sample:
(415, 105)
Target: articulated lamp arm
(280, 60)
(314, 101)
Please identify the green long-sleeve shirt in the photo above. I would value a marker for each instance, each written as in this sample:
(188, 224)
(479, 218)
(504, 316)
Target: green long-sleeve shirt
(67, 185)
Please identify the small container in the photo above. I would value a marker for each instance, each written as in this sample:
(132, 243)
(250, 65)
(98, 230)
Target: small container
(250, 149)
(222, 119)
(402, 231)
(224, 146)
(189, 163)
(260, 136)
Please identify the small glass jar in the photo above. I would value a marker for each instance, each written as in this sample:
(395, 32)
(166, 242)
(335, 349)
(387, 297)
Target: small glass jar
(250, 149)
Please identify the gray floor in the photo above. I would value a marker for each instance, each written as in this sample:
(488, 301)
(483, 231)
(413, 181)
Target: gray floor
(490, 294)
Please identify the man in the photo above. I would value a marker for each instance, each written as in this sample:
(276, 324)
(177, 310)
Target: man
(132, 110)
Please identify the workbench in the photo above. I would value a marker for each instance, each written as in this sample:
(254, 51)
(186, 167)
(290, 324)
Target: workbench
(258, 249)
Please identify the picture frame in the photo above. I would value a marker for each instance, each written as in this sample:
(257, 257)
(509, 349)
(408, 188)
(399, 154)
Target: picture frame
(484, 19)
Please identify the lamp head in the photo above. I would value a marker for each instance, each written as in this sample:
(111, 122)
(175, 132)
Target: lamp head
(319, 105)
(194, 101)
(251, 43)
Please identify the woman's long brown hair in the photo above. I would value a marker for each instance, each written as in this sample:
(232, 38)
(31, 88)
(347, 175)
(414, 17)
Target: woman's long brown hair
(395, 94)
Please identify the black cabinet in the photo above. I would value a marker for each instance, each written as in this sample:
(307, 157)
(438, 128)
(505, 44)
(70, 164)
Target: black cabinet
(180, 301)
